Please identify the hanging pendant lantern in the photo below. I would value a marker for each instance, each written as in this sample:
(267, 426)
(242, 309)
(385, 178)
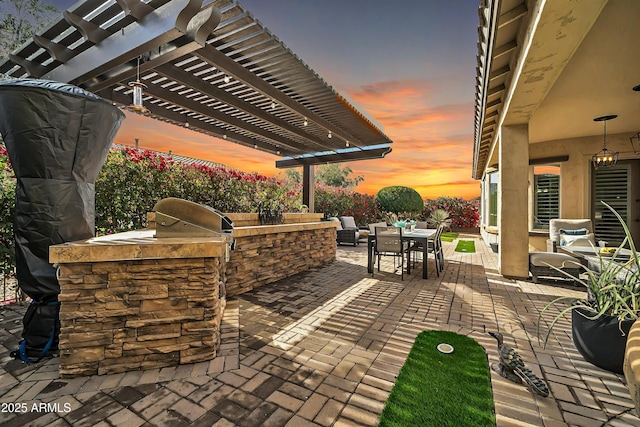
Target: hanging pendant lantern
(137, 88)
(604, 158)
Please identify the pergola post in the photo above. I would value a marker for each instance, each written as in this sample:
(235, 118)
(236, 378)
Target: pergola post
(308, 182)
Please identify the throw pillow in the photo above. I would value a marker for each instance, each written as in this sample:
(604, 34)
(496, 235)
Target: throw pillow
(578, 232)
(577, 240)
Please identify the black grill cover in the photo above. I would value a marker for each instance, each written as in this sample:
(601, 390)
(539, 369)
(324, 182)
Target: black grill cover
(58, 137)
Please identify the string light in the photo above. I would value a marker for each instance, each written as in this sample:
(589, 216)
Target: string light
(306, 122)
(330, 135)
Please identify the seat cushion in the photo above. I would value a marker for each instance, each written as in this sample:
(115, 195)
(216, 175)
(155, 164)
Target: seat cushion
(348, 222)
(546, 259)
(334, 219)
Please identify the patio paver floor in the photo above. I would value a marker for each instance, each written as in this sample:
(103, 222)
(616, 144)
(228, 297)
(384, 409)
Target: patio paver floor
(323, 349)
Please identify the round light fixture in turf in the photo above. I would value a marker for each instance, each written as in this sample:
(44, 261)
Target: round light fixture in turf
(445, 348)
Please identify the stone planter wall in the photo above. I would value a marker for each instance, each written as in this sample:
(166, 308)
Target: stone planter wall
(127, 315)
(269, 253)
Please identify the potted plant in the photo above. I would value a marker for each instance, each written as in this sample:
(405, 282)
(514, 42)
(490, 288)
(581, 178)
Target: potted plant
(439, 217)
(601, 321)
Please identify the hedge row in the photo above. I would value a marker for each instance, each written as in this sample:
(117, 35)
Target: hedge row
(132, 181)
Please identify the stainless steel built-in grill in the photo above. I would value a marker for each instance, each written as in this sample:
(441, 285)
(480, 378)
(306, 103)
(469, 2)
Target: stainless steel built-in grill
(182, 218)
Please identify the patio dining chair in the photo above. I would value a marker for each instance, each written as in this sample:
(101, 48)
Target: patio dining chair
(389, 243)
(434, 246)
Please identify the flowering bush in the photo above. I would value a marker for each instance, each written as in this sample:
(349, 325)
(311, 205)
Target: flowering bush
(132, 181)
(463, 213)
(334, 201)
(7, 203)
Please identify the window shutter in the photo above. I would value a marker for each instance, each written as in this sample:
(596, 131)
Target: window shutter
(547, 199)
(611, 186)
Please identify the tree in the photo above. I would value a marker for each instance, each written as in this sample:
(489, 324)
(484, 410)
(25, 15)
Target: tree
(22, 19)
(293, 175)
(334, 175)
(399, 200)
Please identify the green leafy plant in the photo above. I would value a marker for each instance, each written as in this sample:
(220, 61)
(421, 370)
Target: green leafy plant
(614, 290)
(399, 200)
(7, 203)
(334, 201)
(438, 218)
(21, 19)
(463, 213)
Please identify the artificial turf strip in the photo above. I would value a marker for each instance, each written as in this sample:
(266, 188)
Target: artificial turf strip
(466, 246)
(436, 389)
(449, 237)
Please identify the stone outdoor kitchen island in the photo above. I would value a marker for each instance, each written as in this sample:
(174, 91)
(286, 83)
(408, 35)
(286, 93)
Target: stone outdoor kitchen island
(131, 301)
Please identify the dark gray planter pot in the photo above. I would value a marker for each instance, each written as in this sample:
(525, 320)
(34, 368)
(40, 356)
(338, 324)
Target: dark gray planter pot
(600, 341)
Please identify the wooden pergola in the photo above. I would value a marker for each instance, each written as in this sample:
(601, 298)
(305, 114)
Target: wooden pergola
(206, 65)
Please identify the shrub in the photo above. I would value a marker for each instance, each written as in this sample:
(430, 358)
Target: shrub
(333, 201)
(7, 203)
(132, 181)
(399, 200)
(463, 213)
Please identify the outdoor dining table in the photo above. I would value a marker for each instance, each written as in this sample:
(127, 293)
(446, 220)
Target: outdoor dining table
(421, 235)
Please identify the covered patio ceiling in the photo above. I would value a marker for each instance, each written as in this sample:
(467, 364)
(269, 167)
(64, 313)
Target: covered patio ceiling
(580, 63)
(207, 65)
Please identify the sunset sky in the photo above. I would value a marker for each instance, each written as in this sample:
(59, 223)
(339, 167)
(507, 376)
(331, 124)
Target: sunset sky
(409, 65)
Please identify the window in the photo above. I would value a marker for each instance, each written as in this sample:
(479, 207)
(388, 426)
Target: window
(546, 195)
(492, 208)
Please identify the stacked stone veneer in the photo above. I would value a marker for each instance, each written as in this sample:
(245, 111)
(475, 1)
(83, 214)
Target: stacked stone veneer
(132, 302)
(121, 316)
(269, 253)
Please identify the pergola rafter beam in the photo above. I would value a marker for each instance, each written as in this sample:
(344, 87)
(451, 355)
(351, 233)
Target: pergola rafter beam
(174, 98)
(212, 55)
(188, 79)
(160, 112)
(236, 80)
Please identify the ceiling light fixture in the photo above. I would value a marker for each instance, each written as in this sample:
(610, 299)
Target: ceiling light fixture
(346, 144)
(273, 105)
(227, 79)
(306, 122)
(604, 158)
(329, 136)
(137, 87)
